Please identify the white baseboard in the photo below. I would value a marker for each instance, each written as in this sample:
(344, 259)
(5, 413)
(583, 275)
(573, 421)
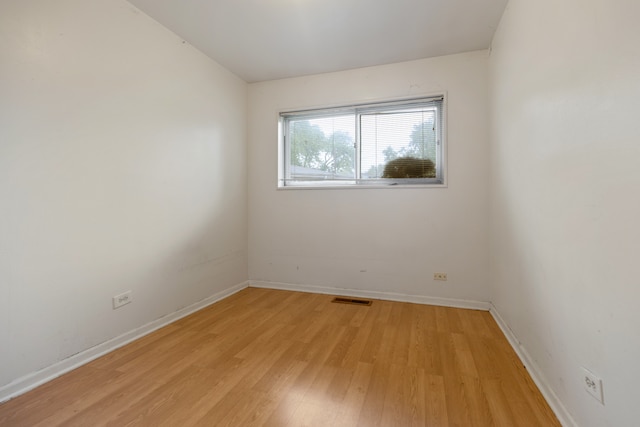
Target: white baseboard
(534, 371)
(390, 296)
(33, 380)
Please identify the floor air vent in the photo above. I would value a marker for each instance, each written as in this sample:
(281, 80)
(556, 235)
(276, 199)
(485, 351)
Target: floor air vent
(354, 301)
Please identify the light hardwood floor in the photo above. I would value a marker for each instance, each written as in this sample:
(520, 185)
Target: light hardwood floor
(279, 358)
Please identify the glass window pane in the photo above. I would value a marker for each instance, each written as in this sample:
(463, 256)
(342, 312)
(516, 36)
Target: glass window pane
(322, 148)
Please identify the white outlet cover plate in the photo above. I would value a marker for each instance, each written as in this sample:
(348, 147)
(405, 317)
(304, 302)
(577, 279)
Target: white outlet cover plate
(121, 299)
(593, 384)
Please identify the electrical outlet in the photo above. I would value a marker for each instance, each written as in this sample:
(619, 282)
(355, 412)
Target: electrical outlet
(592, 384)
(122, 299)
(440, 276)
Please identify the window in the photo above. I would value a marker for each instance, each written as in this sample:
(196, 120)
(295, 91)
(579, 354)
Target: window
(391, 143)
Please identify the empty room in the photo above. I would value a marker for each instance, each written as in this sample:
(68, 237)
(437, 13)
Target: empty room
(319, 213)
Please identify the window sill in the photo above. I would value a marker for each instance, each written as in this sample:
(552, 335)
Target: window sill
(360, 186)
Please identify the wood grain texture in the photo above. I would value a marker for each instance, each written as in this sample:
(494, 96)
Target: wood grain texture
(277, 358)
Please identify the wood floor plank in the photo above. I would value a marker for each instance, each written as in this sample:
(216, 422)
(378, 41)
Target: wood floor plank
(316, 407)
(402, 341)
(51, 399)
(464, 358)
(457, 405)
(403, 405)
(414, 390)
(355, 395)
(473, 393)
(278, 358)
(432, 359)
(373, 405)
(435, 401)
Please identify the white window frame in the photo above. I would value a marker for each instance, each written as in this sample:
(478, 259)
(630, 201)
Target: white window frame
(358, 109)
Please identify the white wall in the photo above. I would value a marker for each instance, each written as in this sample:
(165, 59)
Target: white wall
(383, 240)
(122, 167)
(566, 196)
